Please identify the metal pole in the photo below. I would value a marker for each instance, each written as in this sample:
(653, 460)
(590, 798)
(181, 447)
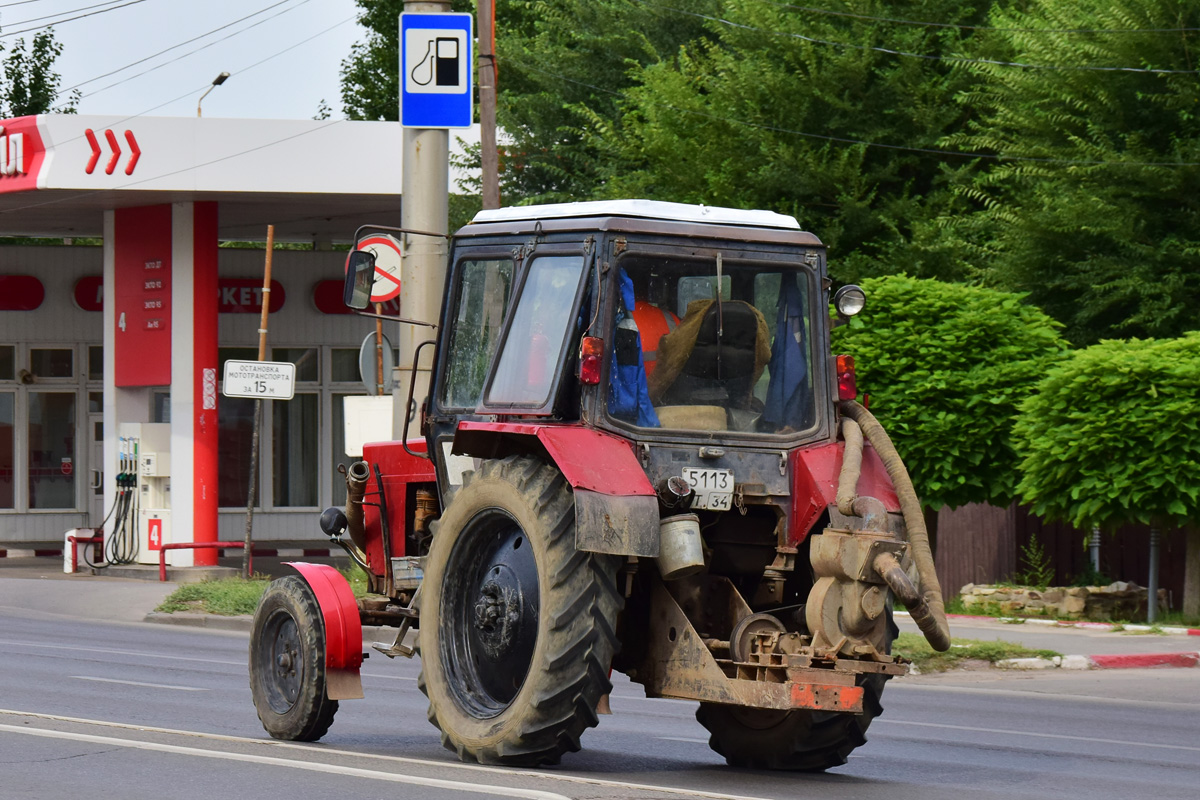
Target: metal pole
(1152, 600)
(378, 351)
(488, 76)
(425, 206)
(1094, 547)
(262, 356)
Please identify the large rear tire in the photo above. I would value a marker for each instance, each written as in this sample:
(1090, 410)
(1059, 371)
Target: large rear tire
(806, 741)
(517, 625)
(287, 662)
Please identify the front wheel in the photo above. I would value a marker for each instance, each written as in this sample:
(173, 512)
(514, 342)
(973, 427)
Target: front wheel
(287, 662)
(517, 625)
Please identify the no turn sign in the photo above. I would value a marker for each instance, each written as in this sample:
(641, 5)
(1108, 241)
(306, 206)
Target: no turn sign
(387, 266)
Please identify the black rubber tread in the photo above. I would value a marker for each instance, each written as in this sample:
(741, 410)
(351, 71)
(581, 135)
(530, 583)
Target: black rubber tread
(805, 741)
(576, 639)
(309, 717)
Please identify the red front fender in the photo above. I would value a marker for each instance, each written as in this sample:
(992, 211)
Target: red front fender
(343, 629)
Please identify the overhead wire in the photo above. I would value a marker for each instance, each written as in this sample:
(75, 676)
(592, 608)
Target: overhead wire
(125, 4)
(863, 142)
(907, 54)
(174, 47)
(956, 26)
(63, 13)
(196, 50)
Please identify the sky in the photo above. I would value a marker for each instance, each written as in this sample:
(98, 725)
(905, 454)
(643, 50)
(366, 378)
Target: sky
(282, 62)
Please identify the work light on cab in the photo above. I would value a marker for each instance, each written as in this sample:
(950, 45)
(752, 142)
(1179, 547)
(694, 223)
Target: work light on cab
(849, 300)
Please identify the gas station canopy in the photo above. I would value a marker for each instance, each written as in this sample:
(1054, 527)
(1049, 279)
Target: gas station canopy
(311, 179)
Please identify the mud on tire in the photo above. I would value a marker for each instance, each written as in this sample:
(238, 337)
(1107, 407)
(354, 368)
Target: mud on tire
(517, 626)
(287, 662)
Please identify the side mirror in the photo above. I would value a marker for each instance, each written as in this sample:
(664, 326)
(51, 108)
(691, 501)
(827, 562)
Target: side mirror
(360, 277)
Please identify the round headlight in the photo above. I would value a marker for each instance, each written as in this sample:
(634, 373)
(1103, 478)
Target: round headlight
(849, 300)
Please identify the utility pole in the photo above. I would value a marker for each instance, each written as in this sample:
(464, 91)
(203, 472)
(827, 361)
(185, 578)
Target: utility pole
(488, 75)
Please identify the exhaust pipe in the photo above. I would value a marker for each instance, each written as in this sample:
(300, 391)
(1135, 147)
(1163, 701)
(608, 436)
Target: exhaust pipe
(356, 486)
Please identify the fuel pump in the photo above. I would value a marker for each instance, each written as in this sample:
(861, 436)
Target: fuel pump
(145, 478)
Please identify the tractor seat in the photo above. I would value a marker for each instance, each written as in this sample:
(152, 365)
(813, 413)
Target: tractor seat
(720, 370)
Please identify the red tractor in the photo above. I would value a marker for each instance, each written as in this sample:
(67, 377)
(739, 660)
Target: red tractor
(637, 455)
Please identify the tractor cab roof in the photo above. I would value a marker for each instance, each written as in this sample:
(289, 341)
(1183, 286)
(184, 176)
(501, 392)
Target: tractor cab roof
(641, 216)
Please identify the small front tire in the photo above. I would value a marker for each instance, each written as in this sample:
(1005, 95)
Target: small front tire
(287, 662)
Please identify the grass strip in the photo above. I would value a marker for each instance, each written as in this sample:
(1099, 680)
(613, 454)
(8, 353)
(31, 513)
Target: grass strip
(914, 647)
(231, 597)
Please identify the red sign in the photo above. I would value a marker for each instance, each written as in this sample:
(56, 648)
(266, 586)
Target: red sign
(154, 531)
(89, 293)
(142, 275)
(244, 296)
(21, 154)
(327, 297)
(20, 292)
(114, 148)
(67, 466)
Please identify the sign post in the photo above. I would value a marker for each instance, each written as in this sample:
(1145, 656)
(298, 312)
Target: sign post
(436, 94)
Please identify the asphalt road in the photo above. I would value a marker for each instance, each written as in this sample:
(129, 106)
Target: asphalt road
(129, 710)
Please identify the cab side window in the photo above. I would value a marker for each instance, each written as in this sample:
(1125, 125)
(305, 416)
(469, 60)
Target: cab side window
(475, 325)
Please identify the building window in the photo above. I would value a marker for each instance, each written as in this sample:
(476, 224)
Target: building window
(8, 493)
(52, 449)
(235, 432)
(95, 363)
(344, 364)
(52, 363)
(305, 359)
(295, 440)
(7, 362)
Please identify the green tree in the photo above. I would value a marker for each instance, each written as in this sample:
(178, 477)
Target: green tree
(946, 366)
(30, 84)
(557, 59)
(766, 113)
(1112, 436)
(1100, 221)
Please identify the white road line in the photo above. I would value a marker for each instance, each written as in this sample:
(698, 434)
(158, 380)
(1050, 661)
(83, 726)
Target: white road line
(139, 683)
(434, 783)
(1068, 737)
(646, 787)
(901, 685)
(683, 739)
(85, 649)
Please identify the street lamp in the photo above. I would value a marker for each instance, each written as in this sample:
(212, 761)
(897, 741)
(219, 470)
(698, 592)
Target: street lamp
(217, 81)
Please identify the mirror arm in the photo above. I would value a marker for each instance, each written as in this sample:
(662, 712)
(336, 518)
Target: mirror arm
(358, 234)
(397, 319)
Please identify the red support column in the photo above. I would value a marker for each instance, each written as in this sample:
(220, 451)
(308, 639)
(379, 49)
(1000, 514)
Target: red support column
(204, 332)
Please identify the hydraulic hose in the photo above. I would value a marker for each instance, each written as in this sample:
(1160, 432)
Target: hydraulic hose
(929, 612)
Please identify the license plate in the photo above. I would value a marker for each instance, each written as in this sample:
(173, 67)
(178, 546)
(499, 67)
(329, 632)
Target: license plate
(713, 487)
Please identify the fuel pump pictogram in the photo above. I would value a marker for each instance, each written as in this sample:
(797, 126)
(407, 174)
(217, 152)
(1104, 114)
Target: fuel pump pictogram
(440, 63)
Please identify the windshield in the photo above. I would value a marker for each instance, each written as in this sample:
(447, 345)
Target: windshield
(713, 345)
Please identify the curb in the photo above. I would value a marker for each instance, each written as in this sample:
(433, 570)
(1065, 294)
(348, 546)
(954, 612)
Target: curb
(1054, 623)
(1126, 661)
(194, 620)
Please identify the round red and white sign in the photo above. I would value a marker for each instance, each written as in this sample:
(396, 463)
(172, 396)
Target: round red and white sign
(387, 266)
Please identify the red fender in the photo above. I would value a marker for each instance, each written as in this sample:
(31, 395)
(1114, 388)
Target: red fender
(343, 629)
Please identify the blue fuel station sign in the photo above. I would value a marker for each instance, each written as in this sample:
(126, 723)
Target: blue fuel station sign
(435, 70)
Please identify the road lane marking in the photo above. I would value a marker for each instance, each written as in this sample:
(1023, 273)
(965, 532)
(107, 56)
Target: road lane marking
(311, 749)
(1066, 698)
(139, 683)
(1068, 737)
(331, 769)
(84, 649)
(683, 739)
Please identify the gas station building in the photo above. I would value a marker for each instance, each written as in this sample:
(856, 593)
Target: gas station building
(95, 339)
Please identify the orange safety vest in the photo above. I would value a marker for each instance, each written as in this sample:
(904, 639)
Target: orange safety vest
(653, 323)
